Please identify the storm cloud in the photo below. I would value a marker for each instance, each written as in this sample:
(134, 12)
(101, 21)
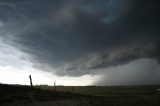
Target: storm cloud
(138, 72)
(78, 37)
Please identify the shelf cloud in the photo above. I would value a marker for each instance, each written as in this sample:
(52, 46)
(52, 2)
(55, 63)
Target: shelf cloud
(78, 37)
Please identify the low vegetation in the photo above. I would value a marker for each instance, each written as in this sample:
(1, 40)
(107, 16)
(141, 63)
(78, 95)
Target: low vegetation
(18, 95)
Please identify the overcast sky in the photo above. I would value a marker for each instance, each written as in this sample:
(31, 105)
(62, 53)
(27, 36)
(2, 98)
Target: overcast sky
(80, 42)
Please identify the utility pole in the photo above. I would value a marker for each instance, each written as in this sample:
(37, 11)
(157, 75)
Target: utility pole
(30, 80)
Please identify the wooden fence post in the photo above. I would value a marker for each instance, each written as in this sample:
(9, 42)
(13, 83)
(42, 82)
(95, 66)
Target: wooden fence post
(30, 80)
(54, 85)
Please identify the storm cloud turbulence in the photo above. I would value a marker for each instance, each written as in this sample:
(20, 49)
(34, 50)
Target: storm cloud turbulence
(118, 39)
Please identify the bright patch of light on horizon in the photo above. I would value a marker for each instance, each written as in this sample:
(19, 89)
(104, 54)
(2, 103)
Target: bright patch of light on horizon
(14, 70)
(11, 75)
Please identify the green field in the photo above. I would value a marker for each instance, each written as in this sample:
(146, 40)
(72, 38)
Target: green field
(105, 90)
(16, 95)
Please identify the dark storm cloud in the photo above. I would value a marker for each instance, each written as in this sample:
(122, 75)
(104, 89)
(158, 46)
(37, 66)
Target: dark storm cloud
(76, 37)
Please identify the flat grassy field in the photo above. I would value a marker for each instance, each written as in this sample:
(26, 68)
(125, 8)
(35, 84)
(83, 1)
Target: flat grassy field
(18, 95)
(105, 90)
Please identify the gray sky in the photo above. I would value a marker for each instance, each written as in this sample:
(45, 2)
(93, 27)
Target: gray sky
(74, 38)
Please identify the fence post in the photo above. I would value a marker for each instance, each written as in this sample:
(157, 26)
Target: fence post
(30, 80)
(54, 85)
